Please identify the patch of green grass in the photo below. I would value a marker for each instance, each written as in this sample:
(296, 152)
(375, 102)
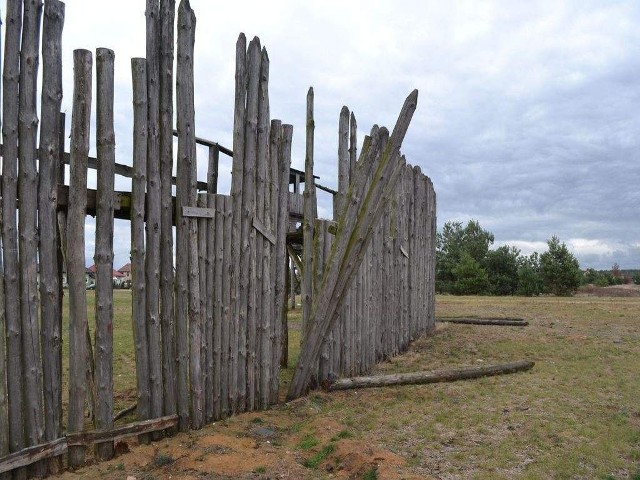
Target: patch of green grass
(371, 474)
(308, 442)
(319, 457)
(260, 470)
(342, 434)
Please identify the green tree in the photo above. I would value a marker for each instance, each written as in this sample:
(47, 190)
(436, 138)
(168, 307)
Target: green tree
(560, 269)
(529, 275)
(502, 270)
(636, 278)
(451, 243)
(470, 277)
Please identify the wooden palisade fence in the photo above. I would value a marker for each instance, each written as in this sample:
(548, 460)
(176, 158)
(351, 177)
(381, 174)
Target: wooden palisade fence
(208, 325)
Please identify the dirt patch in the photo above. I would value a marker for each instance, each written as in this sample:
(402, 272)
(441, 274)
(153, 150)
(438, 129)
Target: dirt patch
(630, 290)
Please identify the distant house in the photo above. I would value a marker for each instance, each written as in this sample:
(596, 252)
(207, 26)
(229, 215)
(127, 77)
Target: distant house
(125, 270)
(118, 278)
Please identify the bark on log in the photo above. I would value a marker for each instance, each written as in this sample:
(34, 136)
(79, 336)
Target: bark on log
(51, 144)
(104, 247)
(419, 378)
(138, 187)
(167, 318)
(28, 230)
(239, 119)
(78, 327)
(153, 230)
(485, 321)
(310, 213)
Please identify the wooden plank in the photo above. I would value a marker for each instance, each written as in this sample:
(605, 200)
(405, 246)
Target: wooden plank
(212, 319)
(138, 187)
(152, 224)
(212, 172)
(206, 354)
(198, 212)
(264, 231)
(229, 346)
(104, 248)
(167, 316)
(51, 145)
(78, 328)
(59, 446)
(235, 247)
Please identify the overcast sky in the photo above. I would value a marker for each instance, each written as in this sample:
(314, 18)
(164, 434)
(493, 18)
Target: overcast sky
(528, 118)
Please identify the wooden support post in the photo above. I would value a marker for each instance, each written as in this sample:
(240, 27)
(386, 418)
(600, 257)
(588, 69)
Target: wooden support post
(264, 280)
(310, 213)
(152, 256)
(28, 230)
(190, 325)
(223, 268)
(138, 187)
(239, 119)
(167, 318)
(246, 312)
(206, 354)
(50, 271)
(78, 328)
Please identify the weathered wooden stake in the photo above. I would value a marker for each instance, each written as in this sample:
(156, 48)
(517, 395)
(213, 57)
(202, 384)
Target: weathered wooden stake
(50, 273)
(78, 328)
(310, 213)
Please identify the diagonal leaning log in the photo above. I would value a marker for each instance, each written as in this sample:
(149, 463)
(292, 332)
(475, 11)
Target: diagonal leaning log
(381, 158)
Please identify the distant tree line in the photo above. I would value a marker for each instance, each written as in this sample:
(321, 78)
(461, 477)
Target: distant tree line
(615, 276)
(466, 265)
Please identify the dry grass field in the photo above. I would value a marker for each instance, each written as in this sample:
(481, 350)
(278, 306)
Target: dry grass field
(576, 414)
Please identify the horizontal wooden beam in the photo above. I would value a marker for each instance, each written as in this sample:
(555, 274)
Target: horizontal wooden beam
(58, 447)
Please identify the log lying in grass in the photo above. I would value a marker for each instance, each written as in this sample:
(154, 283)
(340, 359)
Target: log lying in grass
(516, 322)
(418, 378)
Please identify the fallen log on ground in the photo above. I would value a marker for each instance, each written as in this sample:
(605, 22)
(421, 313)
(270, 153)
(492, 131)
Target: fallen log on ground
(418, 378)
(516, 322)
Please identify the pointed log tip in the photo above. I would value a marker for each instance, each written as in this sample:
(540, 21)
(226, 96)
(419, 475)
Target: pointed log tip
(344, 111)
(310, 91)
(242, 39)
(412, 98)
(265, 54)
(353, 118)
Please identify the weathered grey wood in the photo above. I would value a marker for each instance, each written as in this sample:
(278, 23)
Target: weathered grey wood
(198, 212)
(50, 271)
(187, 169)
(281, 337)
(239, 118)
(167, 322)
(247, 290)
(138, 188)
(310, 213)
(484, 321)
(216, 245)
(350, 247)
(320, 228)
(78, 328)
(264, 243)
(212, 172)
(104, 247)
(431, 274)
(229, 346)
(273, 185)
(206, 354)
(353, 145)
(212, 320)
(4, 407)
(28, 231)
(59, 446)
(152, 224)
(420, 378)
(344, 163)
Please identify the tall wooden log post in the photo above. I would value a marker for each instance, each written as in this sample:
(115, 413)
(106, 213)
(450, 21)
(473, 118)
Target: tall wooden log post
(246, 312)
(264, 293)
(152, 257)
(167, 322)
(239, 118)
(138, 188)
(352, 238)
(188, 284)
(106, 144)
(10, 94)
(310, 213)
(4, 407)
(28, 220)
(343, 333)
(50, 272)
(78, 328)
